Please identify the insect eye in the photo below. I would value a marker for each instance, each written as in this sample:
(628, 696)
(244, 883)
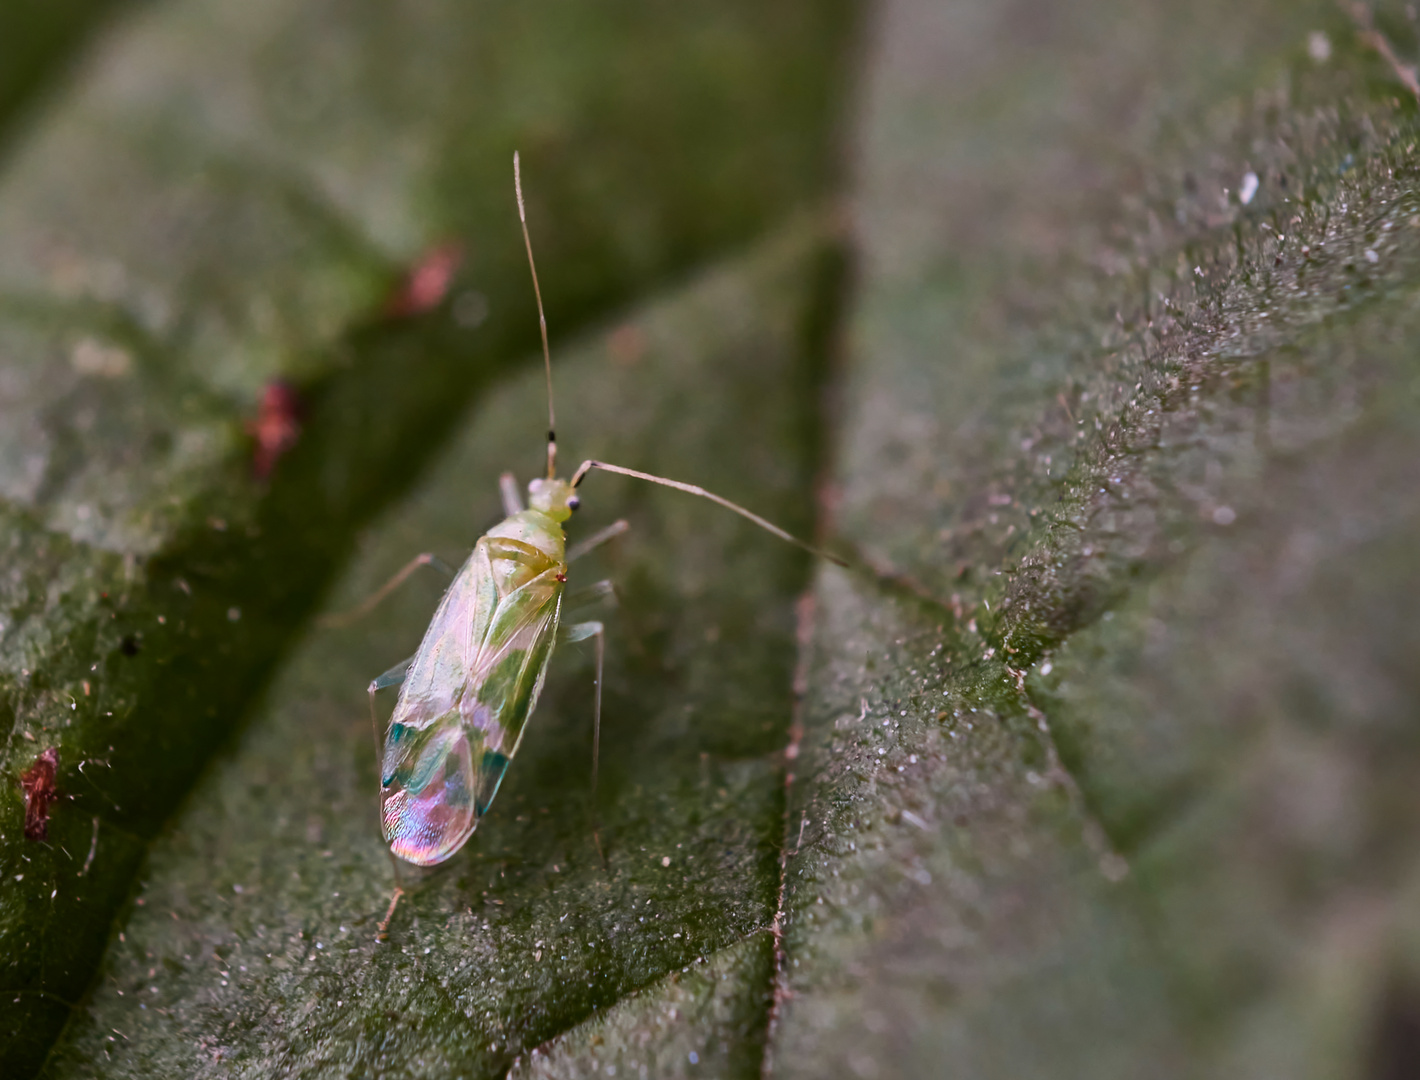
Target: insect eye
(573, 503)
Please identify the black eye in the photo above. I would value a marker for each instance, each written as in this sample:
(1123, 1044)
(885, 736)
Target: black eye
(573, 503)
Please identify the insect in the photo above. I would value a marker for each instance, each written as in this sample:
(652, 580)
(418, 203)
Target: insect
(466, 695)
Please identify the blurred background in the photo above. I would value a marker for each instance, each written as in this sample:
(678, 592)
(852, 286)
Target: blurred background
(1085, 330)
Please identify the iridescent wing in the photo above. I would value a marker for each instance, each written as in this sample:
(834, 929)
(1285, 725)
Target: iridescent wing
(427, 810)
(508, 670)
(439, 675)
(466, 698)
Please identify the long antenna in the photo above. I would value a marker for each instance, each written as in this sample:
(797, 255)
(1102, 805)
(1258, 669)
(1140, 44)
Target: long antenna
(692, 489)
(541, 321)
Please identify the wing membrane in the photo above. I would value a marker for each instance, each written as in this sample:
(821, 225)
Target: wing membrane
(507, 668)
(429, 808)
(466, 700)
(439, 677)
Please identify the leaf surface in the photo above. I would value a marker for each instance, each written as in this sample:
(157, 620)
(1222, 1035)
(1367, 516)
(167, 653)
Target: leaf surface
(1114, 782)
(251, 947)
(1099, 760)
(228, 200)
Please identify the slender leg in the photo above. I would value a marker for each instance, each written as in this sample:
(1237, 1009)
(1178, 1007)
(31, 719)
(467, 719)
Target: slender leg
(597, 539)
(345, 618)
(589, 595)
(512, 498)
(580, 632)
(597, 718)
(382, 932)
(393, 677)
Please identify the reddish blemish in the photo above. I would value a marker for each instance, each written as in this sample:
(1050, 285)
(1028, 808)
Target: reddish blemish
(561, 577)
(38, 784)
(627, 344)
(276, 426)
(427, 282)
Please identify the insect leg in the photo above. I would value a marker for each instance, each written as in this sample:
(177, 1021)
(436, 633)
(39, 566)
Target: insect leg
(583, 630)
(597, 539)
(580, 632)
(345, 618)
(512, 498)
(393, 677)
(581, 598)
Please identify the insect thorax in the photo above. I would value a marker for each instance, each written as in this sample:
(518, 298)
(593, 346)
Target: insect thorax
(532, 542)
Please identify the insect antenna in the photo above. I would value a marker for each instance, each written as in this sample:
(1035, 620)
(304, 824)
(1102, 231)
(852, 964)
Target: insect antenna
(693, 489)
(541, 321)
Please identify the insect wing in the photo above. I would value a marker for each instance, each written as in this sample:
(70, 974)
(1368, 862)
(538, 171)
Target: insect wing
(465, 701)
(508, 672)
(440, 674)
(428, 809)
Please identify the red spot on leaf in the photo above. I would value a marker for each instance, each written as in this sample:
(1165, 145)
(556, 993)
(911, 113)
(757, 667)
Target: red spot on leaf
(627, 344)
(38, 784)
(276, 426)
(427, 282)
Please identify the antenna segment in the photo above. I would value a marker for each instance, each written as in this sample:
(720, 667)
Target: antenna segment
(693, 489)
(541, 321)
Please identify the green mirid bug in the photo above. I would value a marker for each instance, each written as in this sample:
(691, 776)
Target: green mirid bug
(466, 695)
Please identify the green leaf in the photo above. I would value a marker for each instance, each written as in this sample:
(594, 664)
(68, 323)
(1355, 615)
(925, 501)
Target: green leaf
(251, 945)
(37, 39)
(1115, 781)
(1100, 759)
(230, 195)
(1107, 767)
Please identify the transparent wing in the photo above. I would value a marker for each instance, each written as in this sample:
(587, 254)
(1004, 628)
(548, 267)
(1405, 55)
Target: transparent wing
(439, 677)
(463, 707)
(428, 810)
(508, 671)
